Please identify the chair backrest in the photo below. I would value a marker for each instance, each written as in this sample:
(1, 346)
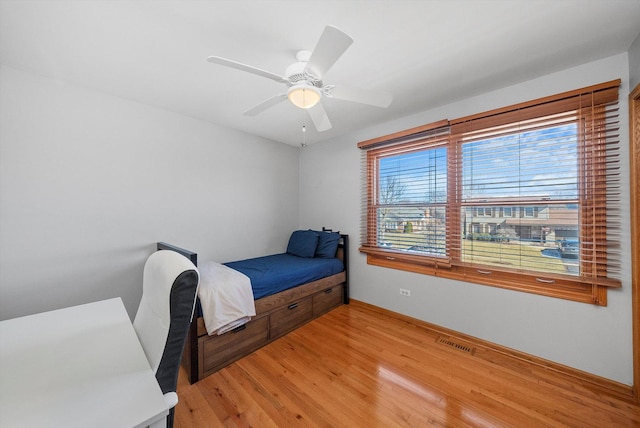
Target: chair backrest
(169, 288)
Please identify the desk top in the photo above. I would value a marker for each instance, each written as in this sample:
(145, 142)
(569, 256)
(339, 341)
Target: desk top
(81, 366)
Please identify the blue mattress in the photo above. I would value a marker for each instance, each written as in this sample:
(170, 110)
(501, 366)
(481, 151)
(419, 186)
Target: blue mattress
(279, 272)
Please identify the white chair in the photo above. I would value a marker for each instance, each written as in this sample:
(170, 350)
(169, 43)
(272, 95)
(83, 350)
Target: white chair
(169, 289)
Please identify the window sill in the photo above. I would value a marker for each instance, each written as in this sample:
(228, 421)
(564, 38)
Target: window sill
(547, 285)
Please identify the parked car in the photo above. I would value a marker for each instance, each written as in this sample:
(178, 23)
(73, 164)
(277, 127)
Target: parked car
(569, 248)
(429, 250)
(419, 249)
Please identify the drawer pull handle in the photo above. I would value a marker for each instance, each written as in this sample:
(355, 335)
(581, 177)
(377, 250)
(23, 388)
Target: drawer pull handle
(328, 290)
(239, 328)
(484, 272)
(545, 281)
(293, 306)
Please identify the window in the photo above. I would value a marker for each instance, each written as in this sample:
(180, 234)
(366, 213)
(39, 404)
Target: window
(524, 197)
(411, 197)
(484, 212)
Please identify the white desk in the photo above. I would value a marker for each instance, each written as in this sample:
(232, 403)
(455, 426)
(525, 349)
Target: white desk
(77, 367)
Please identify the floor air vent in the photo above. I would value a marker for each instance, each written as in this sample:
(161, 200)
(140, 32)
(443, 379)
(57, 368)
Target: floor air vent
(456, 345)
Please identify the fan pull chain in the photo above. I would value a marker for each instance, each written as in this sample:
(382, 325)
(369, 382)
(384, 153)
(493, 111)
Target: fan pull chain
(304, 136)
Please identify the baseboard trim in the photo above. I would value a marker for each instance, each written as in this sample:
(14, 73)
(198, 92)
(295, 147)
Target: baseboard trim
(594, 383)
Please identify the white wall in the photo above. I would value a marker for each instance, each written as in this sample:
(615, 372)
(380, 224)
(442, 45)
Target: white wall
(89, 183)
(590, 338)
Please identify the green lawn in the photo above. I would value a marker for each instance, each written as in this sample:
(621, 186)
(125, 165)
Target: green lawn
(513, 255)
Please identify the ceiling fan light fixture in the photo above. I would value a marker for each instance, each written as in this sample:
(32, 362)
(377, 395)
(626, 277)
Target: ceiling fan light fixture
(304, 95)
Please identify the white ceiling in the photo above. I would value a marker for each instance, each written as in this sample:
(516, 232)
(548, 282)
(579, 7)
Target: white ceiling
(426, 53)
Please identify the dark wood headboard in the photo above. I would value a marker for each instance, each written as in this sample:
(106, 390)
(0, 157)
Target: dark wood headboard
(343, 253)
(188, 254)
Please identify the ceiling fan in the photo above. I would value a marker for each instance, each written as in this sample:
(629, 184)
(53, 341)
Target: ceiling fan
(304, 79)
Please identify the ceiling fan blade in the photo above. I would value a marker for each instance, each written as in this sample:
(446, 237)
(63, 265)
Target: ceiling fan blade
(265, 105)
(330, 47)
(362, 96)
(319, 117)
(249, 69)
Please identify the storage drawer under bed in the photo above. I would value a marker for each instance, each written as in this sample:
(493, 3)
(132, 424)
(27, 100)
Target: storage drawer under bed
(327, 300)
(220, 350)
(288, 318)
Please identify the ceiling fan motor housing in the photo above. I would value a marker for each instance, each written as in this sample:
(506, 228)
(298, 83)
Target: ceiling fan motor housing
(296, 73)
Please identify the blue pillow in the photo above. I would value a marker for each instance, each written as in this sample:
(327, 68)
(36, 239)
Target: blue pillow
(327, 244)
(303, 243)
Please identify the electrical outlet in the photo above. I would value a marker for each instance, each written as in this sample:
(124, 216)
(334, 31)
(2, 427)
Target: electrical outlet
(405, 292)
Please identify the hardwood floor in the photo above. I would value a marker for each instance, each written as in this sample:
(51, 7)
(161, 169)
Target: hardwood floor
(360, 366)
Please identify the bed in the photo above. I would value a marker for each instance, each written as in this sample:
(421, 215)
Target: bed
(288, 302)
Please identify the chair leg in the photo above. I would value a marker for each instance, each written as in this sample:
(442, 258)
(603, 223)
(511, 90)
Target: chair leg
(170, 418)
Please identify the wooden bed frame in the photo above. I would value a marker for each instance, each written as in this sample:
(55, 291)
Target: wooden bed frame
(276, 315)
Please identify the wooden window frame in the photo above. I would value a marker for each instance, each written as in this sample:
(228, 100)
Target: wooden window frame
(591, 288)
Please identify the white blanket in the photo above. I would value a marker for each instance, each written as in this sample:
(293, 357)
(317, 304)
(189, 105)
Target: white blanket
(226, 297)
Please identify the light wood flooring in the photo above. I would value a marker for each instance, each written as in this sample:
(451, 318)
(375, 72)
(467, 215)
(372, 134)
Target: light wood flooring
(360, 366)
